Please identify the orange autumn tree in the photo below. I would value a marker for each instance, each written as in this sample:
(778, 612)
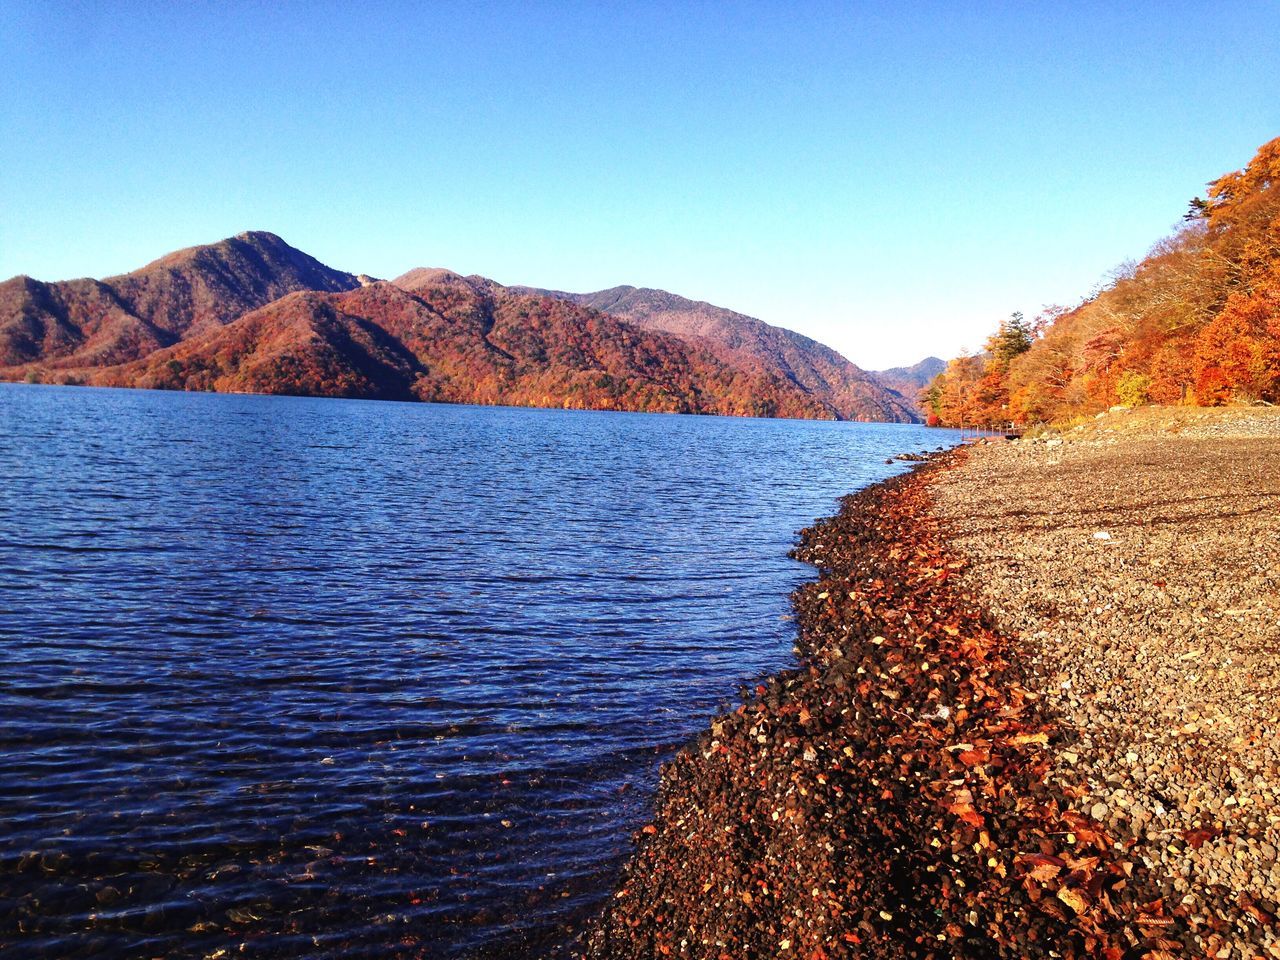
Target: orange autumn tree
(1196, 321)
(975, 389)
(1238, 352)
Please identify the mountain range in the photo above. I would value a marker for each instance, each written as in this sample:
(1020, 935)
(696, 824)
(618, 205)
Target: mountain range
(253, 314)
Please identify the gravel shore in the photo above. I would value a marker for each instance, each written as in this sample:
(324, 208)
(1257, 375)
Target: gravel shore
(1137, 560)
(1035, 717)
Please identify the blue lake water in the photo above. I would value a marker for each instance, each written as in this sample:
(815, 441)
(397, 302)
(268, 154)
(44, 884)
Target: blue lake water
(288, 677)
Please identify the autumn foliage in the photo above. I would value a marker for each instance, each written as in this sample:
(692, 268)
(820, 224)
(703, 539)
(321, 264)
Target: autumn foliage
(445, 338)
(1196, 322)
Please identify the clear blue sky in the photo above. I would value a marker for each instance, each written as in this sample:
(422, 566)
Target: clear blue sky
(891, 178)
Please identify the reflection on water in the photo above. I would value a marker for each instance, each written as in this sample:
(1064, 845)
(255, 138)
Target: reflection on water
(312, 678)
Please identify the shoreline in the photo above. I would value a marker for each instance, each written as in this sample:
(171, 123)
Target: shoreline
(457, 403)
(900, 793)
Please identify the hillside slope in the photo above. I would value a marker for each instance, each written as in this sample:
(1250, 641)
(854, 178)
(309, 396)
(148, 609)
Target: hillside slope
(437, 336)
(1195, 323)
(907, 382)
(845, 389)
(89, 323)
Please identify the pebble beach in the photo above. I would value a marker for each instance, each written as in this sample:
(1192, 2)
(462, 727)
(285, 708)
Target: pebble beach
(1034, 717)
(1138, 559)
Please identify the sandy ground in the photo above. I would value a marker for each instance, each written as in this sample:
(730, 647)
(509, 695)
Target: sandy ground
(1135, 560)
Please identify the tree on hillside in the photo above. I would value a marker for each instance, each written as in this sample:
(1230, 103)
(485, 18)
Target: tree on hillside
(951, 395)
(975, 389)
(1195, 321)
(1012, 339)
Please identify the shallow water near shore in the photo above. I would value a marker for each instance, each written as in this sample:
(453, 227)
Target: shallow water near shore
(311, 678)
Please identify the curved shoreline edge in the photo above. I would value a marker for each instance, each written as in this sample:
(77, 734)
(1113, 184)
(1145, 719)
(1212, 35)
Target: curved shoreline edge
(889, 797)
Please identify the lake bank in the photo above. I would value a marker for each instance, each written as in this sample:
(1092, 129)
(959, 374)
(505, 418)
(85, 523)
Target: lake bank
(911, 791)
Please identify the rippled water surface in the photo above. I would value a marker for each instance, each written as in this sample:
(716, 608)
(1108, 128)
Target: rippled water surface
(314, 678)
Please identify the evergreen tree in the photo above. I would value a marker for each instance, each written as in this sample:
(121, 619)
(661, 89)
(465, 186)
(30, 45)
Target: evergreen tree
(1012, 339)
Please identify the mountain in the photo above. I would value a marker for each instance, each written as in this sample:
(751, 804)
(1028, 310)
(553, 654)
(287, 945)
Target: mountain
(253, 314)
(91, 323)
(907, 382)
(844, 389)
(434, 335)
(305, 343)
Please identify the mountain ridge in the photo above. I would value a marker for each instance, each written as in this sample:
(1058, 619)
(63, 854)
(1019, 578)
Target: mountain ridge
(455, 343)
(87, 322)
(850, 392)
(252, 314)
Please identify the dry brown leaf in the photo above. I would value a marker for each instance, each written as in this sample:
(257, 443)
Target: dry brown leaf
(1074, 899)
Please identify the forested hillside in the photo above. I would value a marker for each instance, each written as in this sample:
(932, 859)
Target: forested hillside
(1196, 322)
(77, 324)
(846, 391)
(907, 382)
(252, 314)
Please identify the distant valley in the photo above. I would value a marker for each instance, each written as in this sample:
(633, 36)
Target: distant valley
(253, 314)
(907, 382)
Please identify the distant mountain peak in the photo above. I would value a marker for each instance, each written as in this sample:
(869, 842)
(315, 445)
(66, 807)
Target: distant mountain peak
(259, 236)
(440, 278)
(259, 240)
(427, 276)
(922, 371)
(87, 323)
